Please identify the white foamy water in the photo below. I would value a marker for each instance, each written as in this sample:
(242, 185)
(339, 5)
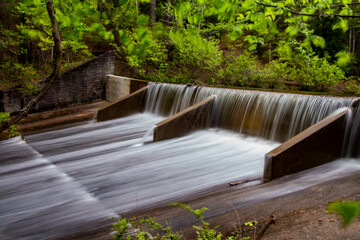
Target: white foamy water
(72, 180)
(127, 175)
(37, 198)
(269, 115)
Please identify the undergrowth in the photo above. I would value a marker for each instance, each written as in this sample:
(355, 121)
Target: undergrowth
(12, 131)
(149, 228)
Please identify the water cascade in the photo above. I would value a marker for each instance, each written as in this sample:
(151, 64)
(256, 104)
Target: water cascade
(100, 169)
(353, 143)
(273, 116)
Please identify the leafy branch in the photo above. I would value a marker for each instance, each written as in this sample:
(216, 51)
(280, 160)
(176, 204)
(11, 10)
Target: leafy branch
(308, 14)
(49, 80)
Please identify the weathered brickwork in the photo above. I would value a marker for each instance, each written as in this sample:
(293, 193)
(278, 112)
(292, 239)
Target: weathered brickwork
(82, 84)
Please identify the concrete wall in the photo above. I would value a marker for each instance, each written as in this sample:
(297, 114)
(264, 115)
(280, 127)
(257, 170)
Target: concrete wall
(319, 144)
(193, 118)
(82, 84)
(118, 87)
(127, 105)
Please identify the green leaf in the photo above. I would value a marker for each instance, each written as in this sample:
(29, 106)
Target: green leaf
(109, 36)
(142, 50)
(97, 27)
(252, 47)
(318, 41)
(104, 15)
(142, 32)
(37, 2)
(131, 48)
(291, 30)
(143, 20)
(66, 21)
(344, 58)
(32, 33)
(122, 2)
(347, 210)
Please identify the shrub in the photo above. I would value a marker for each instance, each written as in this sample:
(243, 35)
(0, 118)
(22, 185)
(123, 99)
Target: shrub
(145, 53)
(347, 210)
(317, 74)
(352, 87)
(273, 73)
(241, 70)
(4, 117)
(149, 228)
(192, 49)
(194, 56)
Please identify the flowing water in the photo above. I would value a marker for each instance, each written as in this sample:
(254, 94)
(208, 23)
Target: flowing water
(274, 116)
(72, 180)
(37, 197)
(123, 170)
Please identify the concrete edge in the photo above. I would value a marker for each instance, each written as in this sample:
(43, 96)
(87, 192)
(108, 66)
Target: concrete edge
(318, 144)
(133, 103)
(190, 119)
(118, 86)
(127, 78)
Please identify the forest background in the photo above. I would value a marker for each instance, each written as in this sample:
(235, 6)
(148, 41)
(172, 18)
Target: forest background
(309, 45)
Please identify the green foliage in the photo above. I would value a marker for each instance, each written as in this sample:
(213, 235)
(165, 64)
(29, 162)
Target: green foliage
(5, 117)
(188, 47)
(346, 61)
(251, 223)
(203, 232)
(18, 73)
(149, 228)
(145, 52)
(316, 74)
(347, 210)
(241, 70)
(192, 49)
(352, 86)
(274, 72)
(74, 19)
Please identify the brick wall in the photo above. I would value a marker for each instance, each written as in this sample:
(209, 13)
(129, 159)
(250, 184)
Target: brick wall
(82, 84)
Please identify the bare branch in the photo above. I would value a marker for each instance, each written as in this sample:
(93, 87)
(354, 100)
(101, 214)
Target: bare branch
(262, 231)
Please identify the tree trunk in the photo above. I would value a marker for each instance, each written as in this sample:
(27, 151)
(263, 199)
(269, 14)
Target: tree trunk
(49, 80)
(153, 12)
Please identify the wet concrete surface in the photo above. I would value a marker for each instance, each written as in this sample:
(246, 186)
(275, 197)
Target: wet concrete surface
(298, 201)
(42, 121)
(300, 212)
(112, 166)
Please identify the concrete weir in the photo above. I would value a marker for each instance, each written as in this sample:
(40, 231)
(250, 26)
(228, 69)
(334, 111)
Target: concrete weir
(125, 106)
(193, 118)
(203, 139)
(118, 87)
(319, 144)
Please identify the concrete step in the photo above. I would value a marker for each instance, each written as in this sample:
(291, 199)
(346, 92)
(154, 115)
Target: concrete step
(53, 118)
(41, 121)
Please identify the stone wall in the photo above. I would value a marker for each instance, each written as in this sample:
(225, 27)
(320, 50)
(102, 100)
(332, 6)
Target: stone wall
(82, 84)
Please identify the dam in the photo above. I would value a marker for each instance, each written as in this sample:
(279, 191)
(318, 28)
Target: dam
(71, 181)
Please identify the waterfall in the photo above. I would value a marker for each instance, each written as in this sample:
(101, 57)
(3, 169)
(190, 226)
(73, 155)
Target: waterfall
(273, 116)
(353, 128)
